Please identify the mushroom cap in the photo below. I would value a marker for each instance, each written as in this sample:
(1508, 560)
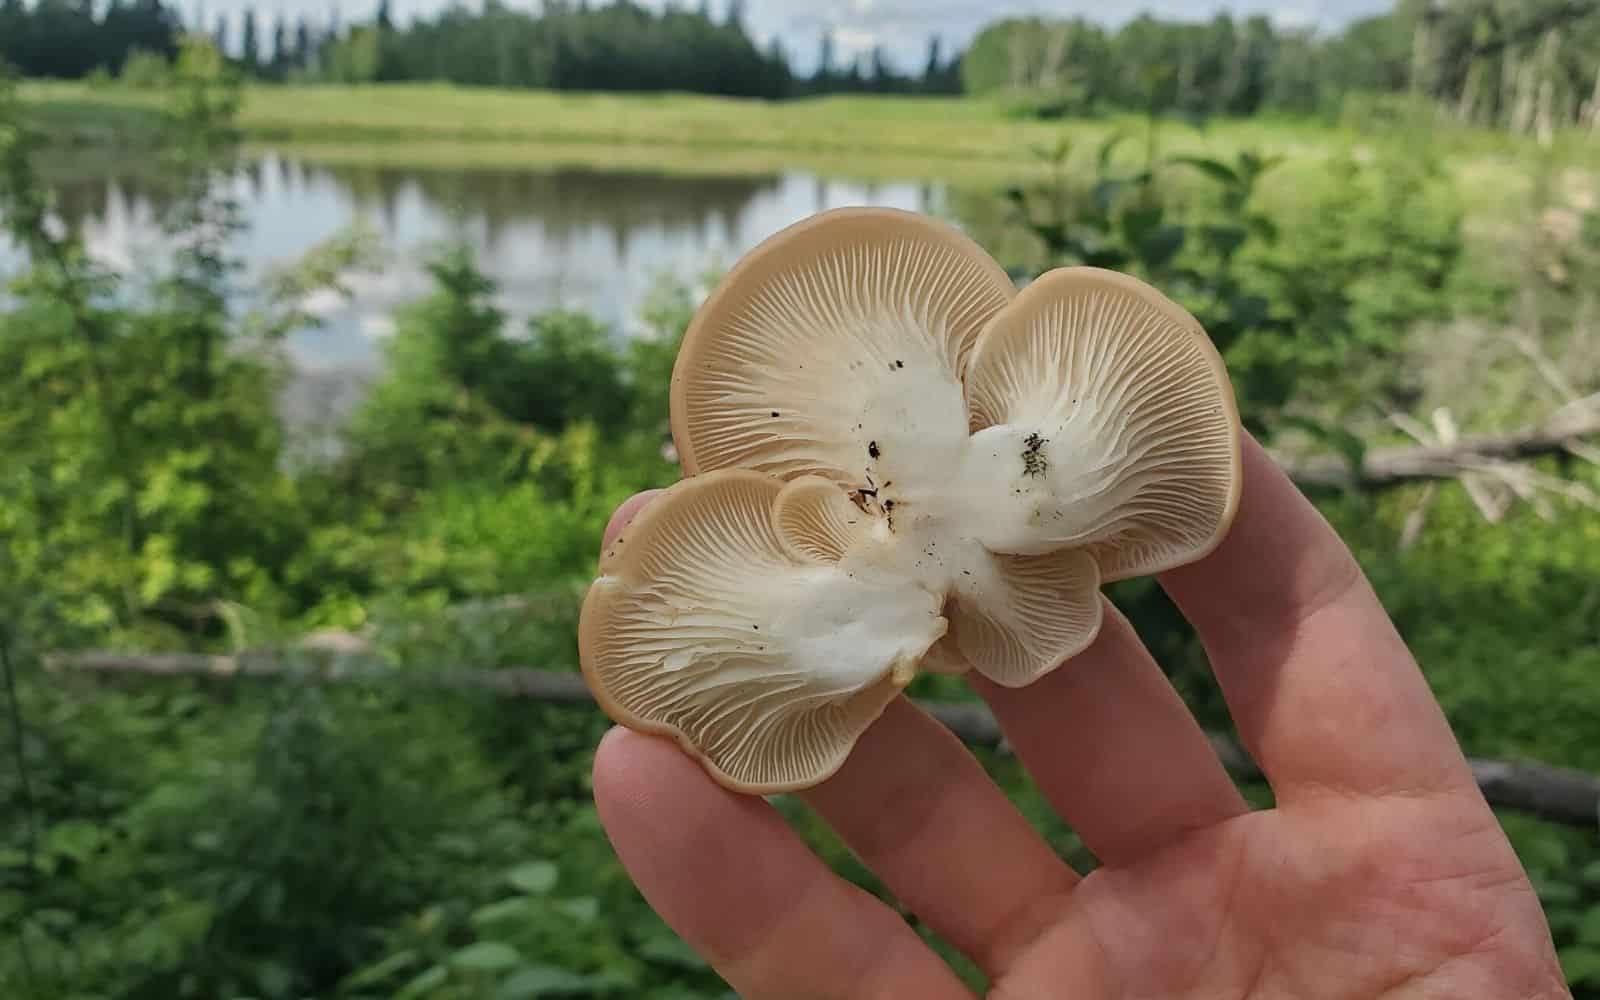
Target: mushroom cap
(852, 318)
(1129, 398)
(721, 618)
(898, 462)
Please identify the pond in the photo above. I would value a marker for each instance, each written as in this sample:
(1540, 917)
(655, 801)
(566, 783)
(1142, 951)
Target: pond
(588, 239)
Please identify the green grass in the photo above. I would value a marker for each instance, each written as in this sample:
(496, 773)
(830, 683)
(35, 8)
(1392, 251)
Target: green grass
(77, 115)
(959, 140)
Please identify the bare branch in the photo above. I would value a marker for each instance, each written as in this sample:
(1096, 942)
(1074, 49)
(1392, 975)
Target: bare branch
(1417, 517)
(1575, 411)
(1547, 369)
(1387, 467)
(1556, 794)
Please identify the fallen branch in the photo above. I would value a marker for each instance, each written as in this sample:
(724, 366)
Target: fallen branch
(1559, 795)
(536, 685)
(1387, 467)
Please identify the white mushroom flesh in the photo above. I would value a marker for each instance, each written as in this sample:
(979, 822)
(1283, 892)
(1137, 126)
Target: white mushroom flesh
(899, 463)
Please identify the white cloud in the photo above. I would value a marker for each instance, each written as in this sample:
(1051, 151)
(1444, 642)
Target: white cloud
(1293, 18)
(850, 42)
(322, 303)
(376, 326)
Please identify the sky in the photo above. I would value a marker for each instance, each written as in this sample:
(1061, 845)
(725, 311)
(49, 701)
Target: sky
(901, 26)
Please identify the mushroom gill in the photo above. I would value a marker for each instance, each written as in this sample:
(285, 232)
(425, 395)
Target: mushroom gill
(842, 336)
(898, 463)
(704, 625)
(1116, 410)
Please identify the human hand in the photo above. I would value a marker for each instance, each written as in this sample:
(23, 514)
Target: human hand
(1381, 872)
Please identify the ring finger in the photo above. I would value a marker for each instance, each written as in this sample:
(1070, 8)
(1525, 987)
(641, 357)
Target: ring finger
(1114, 748)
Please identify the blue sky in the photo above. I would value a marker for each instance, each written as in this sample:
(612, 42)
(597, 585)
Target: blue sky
(903, 26)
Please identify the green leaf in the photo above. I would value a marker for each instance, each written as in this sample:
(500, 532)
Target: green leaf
(74, 838)
(1108, 149)
(545, 981)
(430, 980)
(1581, 965)
(379, 971)
(517, 908)
(1056, 153)
(671, 951)
(1138, 223)
(1107, 257)
(486, 956)
(275, 979)
(1106, 192)
(583, 909)
(1590, 876)
(1552, 893)
(1349, 446)
(534, 877)
(1254, 166)
(1263, 227)
(1053, 236)
(1215, 169)
(1224, 239)
(1589, 928)
(1158, 247)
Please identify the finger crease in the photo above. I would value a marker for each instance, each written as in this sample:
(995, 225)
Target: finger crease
(1015, 932)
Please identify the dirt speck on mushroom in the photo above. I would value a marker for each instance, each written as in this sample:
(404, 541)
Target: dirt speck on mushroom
(1034, 462)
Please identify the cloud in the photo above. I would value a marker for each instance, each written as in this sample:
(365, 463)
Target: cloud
(322, 303)
(850, 42)
(1293, 18)
(375, 326)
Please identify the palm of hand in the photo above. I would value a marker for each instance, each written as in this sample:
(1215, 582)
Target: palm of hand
(1345, 898)
(1380, 873)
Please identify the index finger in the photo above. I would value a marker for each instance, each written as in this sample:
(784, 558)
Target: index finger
(728, 874)
(1323, 689)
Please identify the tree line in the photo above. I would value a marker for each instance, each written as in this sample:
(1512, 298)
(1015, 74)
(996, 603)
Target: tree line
(559, 45)
(1529, 64)
(69, 38)
(282, 53)
(621, 46)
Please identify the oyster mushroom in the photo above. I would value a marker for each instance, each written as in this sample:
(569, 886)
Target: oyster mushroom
(896, 462)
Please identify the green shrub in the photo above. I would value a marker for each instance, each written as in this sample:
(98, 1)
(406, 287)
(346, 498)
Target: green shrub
(145, 70)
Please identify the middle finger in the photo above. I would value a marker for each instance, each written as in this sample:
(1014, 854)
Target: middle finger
(920, 811)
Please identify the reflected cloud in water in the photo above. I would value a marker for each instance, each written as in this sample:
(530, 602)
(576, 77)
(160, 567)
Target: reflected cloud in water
(573, 238)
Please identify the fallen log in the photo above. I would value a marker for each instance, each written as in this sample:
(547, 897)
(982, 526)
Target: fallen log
(1560, 795)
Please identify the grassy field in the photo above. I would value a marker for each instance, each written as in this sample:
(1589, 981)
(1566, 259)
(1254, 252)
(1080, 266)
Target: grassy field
(957, 140)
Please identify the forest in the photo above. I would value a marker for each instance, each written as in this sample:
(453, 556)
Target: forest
(284, 717)
(1531, 64)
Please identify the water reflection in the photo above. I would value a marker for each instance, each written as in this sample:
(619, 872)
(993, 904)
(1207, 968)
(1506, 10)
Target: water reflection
(580, 238)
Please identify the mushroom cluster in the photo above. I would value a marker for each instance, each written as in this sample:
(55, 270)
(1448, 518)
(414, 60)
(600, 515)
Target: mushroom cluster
(897, 462)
